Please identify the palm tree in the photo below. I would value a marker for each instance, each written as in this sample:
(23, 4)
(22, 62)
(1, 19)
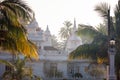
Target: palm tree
(95, 48)
(20, 70)
(97, 36)
(11, 14)
(66, 30)
(113, 31)
(104, 10)
(14, 69)
(88, 32)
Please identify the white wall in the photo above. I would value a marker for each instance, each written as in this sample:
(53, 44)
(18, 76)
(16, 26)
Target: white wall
(62, 66)
(37, 67)
(2, 69)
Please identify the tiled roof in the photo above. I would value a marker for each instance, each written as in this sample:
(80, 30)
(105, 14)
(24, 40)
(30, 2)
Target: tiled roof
(49, 48)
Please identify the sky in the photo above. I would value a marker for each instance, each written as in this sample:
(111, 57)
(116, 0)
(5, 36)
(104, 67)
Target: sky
(54, 12)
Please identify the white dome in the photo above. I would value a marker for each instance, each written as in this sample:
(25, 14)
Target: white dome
(74, 38)
(73, 42)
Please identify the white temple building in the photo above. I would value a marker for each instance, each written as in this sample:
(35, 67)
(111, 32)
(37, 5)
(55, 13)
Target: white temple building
(73, 41)
(54, 64)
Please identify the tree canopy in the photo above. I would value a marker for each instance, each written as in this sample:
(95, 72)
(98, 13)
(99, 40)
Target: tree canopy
(12, 13)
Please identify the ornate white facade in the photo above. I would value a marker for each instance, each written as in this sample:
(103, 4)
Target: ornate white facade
(54, 64)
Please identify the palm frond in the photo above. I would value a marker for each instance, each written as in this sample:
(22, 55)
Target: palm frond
(87, 30)
(66, 30)
(102, 9)
(102, 28)
(7, 63)
(86, 49)
(19, 8)
(117, 18)
(16, 39)
(98, 48)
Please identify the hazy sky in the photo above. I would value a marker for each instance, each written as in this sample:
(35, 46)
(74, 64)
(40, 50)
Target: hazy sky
(54, 12)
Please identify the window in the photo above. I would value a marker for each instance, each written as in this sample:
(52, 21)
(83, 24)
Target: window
(77, 69)
(53, 69)
(8, 68)
(50, 69)
(70, 69)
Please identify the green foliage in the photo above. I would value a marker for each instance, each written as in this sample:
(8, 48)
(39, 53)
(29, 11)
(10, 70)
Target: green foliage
(96, 70)
(66, 30)
(98, 47)
(12, 13)
(7, 63)
(102, 28)
(86, 30)
(115, 32)
(18, 70)
(102, 9)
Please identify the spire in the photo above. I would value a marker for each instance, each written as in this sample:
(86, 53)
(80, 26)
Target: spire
(47, 30)
(74, 23)
(47, 36)
(74, 27)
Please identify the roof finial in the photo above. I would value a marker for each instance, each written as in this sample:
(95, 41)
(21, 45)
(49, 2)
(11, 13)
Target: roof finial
(74, 27)
(47, 29)
(74, 22)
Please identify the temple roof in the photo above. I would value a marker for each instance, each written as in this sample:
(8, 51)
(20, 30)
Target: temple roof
(49, 48)
(33, 24)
